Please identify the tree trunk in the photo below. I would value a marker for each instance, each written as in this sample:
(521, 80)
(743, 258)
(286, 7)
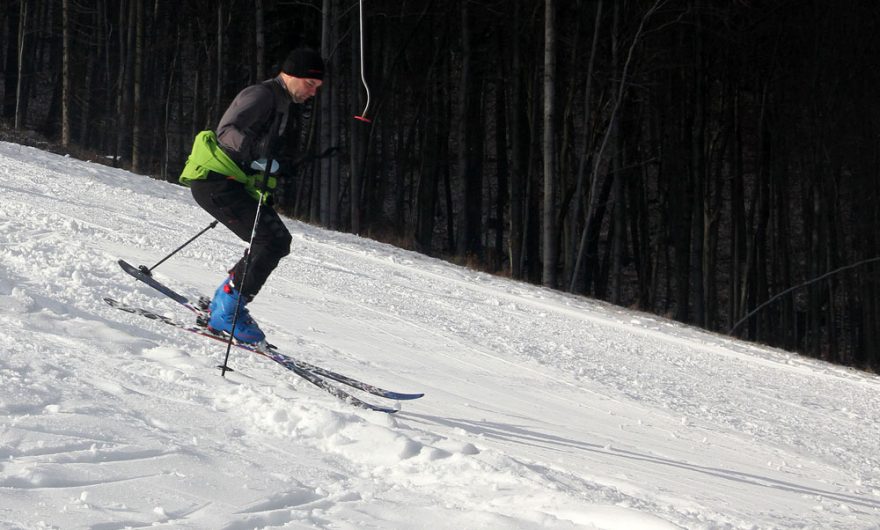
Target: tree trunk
(65, 73)
(85, 133)
(584, 156)
(326, 126)
(260, 39)
(519, 149)
(738, 216)
(21, 92)
(221, 38)
(698, 179)
(618, 217)
(470, 145)
(137, 127)
(532, 222)
(127, 18)
(169, 103)
(432, 158)
(597, 159)
(11, 64)
(549, 233)
(501, 169)
(426, 187)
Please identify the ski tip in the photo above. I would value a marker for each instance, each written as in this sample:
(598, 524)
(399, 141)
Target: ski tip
(134, 270)
(402, 397)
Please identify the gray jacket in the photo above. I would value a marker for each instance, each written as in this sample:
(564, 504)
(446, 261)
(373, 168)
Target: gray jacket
(248, 126)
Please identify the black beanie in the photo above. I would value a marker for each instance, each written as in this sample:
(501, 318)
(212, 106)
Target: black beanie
(305, 63)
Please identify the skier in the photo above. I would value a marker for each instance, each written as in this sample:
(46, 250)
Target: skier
(225, 174)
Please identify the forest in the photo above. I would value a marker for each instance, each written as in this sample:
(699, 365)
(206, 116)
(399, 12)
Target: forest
(712, 161)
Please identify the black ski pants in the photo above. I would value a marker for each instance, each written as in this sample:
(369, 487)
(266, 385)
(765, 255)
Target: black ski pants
(229, 202)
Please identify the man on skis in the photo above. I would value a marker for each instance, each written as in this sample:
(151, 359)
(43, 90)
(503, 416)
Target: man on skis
(225, 174)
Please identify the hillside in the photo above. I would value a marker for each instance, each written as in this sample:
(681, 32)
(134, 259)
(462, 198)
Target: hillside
(542, 410)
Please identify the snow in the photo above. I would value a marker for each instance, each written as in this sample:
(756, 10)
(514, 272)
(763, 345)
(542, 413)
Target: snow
(542, 410)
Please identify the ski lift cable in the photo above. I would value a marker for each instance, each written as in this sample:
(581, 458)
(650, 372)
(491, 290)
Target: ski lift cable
(363, 115)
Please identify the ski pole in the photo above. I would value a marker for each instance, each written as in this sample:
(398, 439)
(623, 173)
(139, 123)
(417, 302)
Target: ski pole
(247, 259)
(261, 188)
(149, 271)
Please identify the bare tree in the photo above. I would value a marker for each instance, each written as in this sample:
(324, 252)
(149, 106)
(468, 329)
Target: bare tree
(550, 233)
(20, 90)
(470, 145)
(598, 158)
(519, 149)
(137, 132)
(329, 174)
(65, 73)
(260, 38)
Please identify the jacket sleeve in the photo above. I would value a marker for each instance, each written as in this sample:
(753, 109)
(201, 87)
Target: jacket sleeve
(245, 124)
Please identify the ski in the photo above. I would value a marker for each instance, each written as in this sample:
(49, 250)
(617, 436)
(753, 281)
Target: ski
(345, 380)
(312, 373)
(142, 273)
(202, 319)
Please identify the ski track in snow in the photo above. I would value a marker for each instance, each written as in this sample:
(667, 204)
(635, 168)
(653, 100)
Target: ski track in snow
(542, 410)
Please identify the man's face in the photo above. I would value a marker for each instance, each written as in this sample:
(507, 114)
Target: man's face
(302, 89)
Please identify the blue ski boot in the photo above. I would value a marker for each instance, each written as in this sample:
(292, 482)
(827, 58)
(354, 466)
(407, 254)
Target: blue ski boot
(223, 311)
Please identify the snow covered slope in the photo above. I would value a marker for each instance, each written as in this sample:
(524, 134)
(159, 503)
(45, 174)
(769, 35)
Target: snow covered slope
(541, 411)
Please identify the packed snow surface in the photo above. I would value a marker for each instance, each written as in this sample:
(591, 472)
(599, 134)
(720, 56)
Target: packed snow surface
(542, 410)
